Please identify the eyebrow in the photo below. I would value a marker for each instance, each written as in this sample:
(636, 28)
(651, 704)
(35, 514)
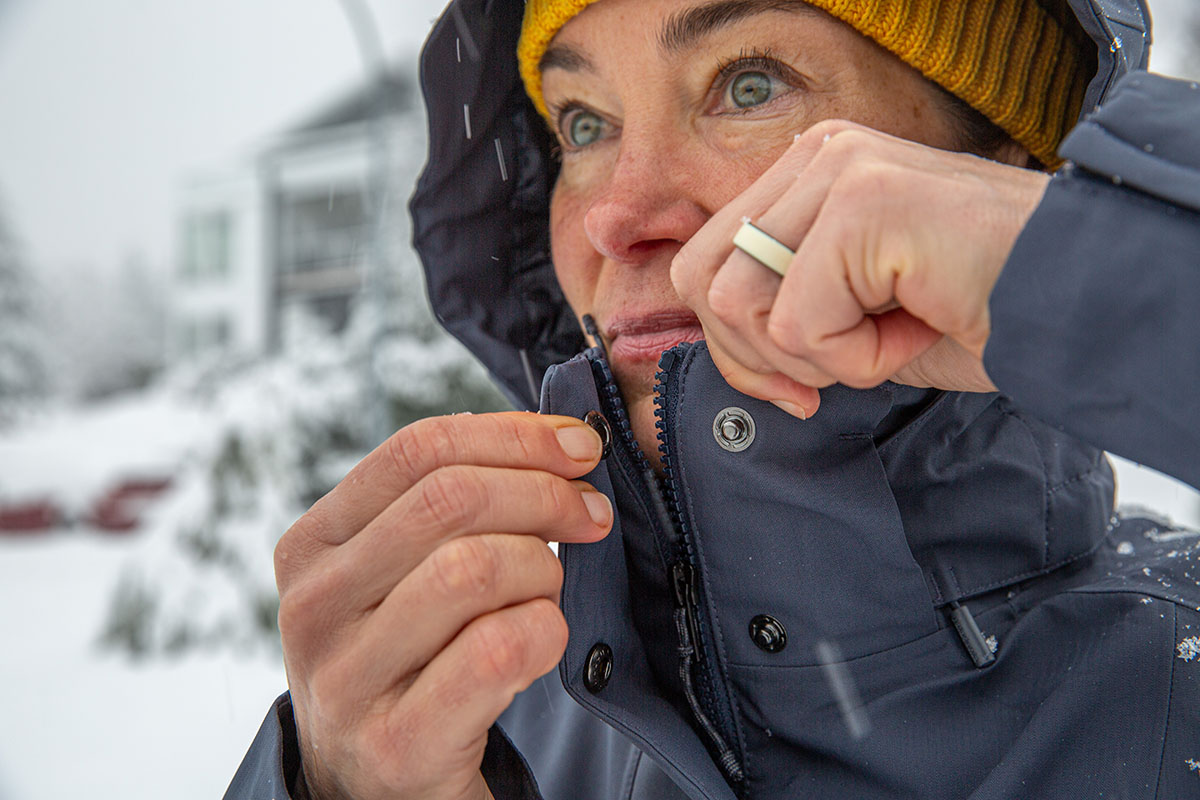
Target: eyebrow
(563, 56)
(684, 29)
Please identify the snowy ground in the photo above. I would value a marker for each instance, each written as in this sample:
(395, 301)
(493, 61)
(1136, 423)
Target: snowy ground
(75, 721)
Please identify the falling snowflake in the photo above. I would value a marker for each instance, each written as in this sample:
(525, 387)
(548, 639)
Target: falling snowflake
(1193, 764)
(1147, 601)
(1125, 548)
(992, 644)
(1189, 648)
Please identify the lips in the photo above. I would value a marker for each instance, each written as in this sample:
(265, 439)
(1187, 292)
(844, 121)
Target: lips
(644, 337)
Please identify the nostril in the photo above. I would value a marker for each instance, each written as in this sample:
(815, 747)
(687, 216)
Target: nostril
(641, 251)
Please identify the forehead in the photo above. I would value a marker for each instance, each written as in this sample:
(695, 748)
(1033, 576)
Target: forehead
(674, 26)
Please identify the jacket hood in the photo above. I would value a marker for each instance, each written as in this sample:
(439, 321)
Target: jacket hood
(481, 207)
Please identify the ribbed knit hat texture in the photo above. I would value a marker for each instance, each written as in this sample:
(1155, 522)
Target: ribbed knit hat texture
(1009, 59)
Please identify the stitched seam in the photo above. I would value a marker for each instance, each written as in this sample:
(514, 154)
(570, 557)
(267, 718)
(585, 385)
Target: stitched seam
(627, 790)
(1087, 473)
(1008, 412)
(1123, 143)
(1032, 574)
(1162, 757)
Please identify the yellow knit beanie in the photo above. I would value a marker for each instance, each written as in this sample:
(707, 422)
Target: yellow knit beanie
(1009, 59)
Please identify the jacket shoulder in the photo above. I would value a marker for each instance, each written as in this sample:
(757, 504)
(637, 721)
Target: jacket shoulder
(1148, 554)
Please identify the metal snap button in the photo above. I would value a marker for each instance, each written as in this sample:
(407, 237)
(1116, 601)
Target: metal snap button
(598, 668)
(733, 428)
(596, 421)
(768, 633)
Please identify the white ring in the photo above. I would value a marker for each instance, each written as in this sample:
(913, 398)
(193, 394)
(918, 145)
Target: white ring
(763, 248)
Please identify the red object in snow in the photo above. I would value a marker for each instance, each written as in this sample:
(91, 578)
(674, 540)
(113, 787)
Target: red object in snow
(119, 510)
(34, 516)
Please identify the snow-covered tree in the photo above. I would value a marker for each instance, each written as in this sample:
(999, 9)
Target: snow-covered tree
(24, 375)
(106, 325)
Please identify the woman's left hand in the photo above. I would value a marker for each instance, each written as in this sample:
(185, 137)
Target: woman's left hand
(898, 246)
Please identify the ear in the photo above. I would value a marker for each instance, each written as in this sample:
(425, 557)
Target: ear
(1015, 154)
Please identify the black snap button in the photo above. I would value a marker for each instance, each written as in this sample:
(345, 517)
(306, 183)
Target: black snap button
(599, 424)
(768, 633)
(598, 668)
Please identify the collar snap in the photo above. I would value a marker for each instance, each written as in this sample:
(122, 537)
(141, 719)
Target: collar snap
(733, 428)
(597, 670)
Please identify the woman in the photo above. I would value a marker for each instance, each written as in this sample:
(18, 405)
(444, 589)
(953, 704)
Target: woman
(912, 588)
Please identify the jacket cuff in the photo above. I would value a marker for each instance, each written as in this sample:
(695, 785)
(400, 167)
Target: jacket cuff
(271, 767)
(1094, 324)
(505, 770)
(1144, 137)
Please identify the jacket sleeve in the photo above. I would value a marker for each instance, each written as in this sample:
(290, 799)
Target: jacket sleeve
(271, 768)
(1096, 316)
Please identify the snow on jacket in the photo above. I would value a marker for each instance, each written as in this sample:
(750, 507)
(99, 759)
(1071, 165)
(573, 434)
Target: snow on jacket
(914, 594)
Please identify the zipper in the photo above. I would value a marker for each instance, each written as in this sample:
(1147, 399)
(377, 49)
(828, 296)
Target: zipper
(692, 661)
(667, 521)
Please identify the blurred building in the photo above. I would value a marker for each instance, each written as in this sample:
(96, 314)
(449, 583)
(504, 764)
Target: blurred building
(291, 228)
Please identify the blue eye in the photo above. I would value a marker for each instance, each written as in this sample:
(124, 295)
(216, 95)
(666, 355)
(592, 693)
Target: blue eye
(582, 128)
(750, 89)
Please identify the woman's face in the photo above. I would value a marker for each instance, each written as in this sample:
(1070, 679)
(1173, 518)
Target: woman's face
(665, 110)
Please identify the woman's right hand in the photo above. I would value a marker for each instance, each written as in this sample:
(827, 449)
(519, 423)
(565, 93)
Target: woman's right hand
(419, 596)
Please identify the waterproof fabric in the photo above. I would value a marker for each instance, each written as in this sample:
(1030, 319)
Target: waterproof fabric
(865, 528)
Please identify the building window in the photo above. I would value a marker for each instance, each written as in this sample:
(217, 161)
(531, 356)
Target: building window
(207, 245)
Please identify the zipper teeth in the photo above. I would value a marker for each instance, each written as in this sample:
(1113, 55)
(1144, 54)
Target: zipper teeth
(669, 361)
(615, 406)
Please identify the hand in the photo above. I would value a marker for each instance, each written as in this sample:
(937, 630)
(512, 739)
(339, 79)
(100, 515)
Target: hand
(898, 246)
(419, 596)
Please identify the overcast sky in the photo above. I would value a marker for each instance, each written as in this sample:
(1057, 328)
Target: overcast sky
(108, 104)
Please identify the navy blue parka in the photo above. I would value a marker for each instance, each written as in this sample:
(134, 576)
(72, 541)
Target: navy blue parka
(915, 594)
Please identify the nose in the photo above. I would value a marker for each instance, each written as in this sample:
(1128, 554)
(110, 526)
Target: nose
(645, 204)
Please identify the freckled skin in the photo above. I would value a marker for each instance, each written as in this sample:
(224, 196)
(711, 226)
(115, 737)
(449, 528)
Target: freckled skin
(624, 206)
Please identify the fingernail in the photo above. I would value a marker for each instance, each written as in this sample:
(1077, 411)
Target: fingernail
(599, 509)
(579, 443)
(790, 408)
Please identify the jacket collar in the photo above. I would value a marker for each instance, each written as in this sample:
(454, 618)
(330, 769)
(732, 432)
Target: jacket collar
(887, 506)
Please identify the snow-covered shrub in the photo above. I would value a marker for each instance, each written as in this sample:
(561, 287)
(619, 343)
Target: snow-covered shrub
(284, 432)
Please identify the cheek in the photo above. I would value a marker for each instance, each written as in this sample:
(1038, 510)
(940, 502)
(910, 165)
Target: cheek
(576, 263)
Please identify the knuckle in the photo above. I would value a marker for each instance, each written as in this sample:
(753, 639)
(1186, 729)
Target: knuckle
(310, 605)
(298, 545)
(549, 631)
(416, 448)
(826, 127)
(514, 434)
(558, 500)
(468, 565)
(683, 269)
(787, 335)
(723, 299)
(298, 607)
(497, 649)
(448, 497)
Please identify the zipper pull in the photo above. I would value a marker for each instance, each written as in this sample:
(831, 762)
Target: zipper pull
(683, 581)
(972, 638)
